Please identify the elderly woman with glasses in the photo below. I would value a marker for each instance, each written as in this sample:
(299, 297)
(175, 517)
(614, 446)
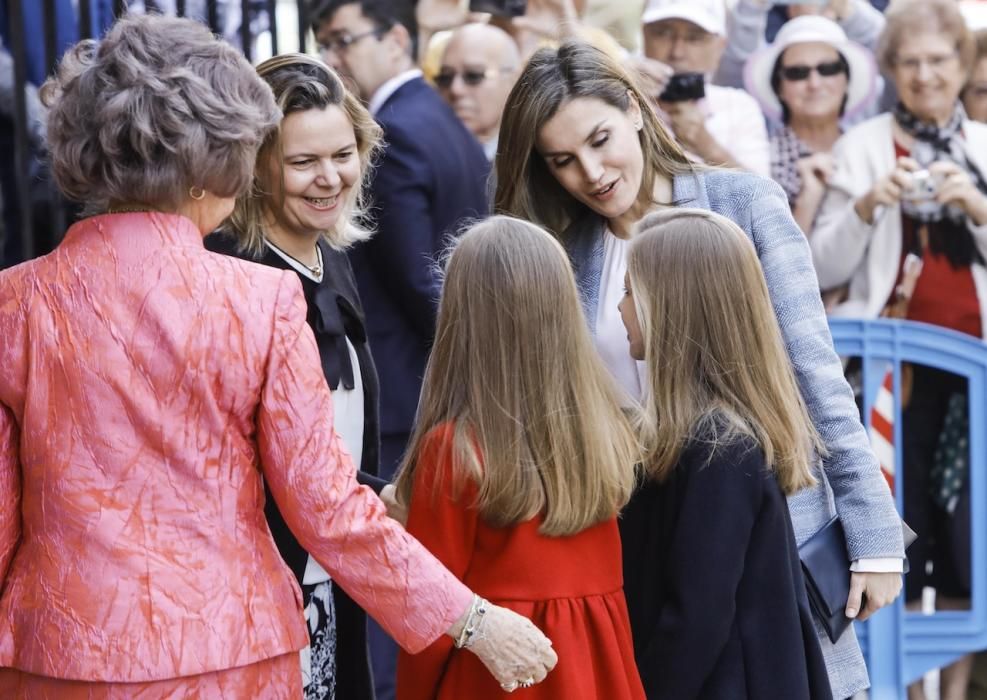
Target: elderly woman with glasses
(905, 224)
(150, 390)
(810, 78)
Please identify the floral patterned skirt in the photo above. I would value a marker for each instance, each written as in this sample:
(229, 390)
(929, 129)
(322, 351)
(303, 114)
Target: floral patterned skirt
(319, 658)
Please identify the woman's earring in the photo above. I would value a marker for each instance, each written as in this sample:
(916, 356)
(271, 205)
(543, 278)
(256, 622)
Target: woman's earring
(196, 193)
(638, 126)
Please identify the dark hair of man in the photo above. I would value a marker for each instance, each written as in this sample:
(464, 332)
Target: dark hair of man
(383, 13)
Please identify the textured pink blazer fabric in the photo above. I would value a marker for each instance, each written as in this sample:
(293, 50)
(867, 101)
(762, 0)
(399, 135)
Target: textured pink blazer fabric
(277, 678)
(146, 387)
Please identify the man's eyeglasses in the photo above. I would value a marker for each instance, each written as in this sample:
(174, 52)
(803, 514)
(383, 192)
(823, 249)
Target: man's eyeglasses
(665, 33)
(825, 70)
(337, 43)
(471, 76)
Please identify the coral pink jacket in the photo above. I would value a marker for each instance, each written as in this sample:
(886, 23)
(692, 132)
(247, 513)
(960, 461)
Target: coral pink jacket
(146, 388)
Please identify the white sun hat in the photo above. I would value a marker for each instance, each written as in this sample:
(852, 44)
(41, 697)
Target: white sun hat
(975, 14)
(862, 86)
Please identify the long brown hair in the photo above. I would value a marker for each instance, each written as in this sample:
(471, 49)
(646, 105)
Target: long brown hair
(714, 351)
(526, 188)
(538, 424)
(301, 83)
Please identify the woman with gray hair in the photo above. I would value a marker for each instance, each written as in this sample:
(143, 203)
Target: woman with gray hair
(299, 216)
(150, 389)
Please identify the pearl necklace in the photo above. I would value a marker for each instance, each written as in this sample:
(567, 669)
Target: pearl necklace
(315, 269)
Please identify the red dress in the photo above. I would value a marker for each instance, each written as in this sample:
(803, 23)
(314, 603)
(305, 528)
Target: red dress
(571, 587)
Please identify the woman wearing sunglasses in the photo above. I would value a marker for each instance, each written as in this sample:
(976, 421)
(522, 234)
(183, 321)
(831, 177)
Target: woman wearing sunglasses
(807, 81)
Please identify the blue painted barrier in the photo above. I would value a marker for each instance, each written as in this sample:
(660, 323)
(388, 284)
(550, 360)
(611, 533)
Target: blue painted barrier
(901, 646)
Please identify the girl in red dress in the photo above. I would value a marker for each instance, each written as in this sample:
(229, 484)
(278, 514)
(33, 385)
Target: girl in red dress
(520, 461)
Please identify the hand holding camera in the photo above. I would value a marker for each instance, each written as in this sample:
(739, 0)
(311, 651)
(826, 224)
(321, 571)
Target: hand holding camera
(679, 102)
(926, 192)
(654, 74)
(919, 196)
(684, 87)
(888, 189)
(955, 188)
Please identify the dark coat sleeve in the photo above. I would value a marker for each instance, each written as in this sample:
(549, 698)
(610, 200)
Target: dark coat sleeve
(718, 503)
(375, 483)
(403, 250)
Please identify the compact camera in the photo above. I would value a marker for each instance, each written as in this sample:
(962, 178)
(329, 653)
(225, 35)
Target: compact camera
(684, 87)
(918, 199)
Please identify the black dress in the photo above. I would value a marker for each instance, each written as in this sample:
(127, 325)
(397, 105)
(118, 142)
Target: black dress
(714, 586)
(335, 316)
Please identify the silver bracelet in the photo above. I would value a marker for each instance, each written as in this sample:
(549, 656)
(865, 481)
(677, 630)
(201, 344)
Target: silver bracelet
(478, 608)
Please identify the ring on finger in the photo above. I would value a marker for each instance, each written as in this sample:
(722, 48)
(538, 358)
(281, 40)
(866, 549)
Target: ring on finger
(527, 683)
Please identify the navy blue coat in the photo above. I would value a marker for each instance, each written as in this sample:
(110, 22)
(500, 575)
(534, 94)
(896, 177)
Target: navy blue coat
(431, 178)
(714, 585)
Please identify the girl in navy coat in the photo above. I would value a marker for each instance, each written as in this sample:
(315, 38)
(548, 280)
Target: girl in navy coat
(711, 571)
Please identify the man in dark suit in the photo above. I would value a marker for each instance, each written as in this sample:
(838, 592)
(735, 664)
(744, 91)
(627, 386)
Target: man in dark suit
(429, 180)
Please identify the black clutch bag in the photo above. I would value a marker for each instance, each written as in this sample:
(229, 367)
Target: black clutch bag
(826, 567)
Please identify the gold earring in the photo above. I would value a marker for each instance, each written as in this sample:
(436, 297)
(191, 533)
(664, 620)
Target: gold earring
(196, 193)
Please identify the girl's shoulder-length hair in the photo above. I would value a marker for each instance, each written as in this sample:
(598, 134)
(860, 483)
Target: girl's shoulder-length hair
(539, 427)
(716, 360)
(526, 188)
(301, 83)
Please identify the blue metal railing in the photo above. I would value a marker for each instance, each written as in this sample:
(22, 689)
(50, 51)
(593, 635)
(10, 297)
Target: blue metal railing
(901, 646)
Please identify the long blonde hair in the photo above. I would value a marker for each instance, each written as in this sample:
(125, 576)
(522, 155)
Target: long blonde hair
(301, 83)
(526, 188)
(714, 351)
(538, 423)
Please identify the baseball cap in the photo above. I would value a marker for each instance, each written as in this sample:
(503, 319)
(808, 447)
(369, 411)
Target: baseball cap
(708, 14)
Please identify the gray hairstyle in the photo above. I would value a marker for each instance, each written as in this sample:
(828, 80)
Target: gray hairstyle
(157, 107)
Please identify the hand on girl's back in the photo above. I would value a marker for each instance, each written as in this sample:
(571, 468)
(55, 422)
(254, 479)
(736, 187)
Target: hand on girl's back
(395, 509)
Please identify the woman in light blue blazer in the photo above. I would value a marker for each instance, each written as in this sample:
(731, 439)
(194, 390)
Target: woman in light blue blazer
(583, 154)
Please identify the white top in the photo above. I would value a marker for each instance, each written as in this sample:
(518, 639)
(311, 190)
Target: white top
(611, 336)
(385, 91)
(490, 148)
(347, 408)
(735, 121)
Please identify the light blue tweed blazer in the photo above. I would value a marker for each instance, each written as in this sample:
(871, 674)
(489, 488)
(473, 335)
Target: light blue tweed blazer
(850, 481)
